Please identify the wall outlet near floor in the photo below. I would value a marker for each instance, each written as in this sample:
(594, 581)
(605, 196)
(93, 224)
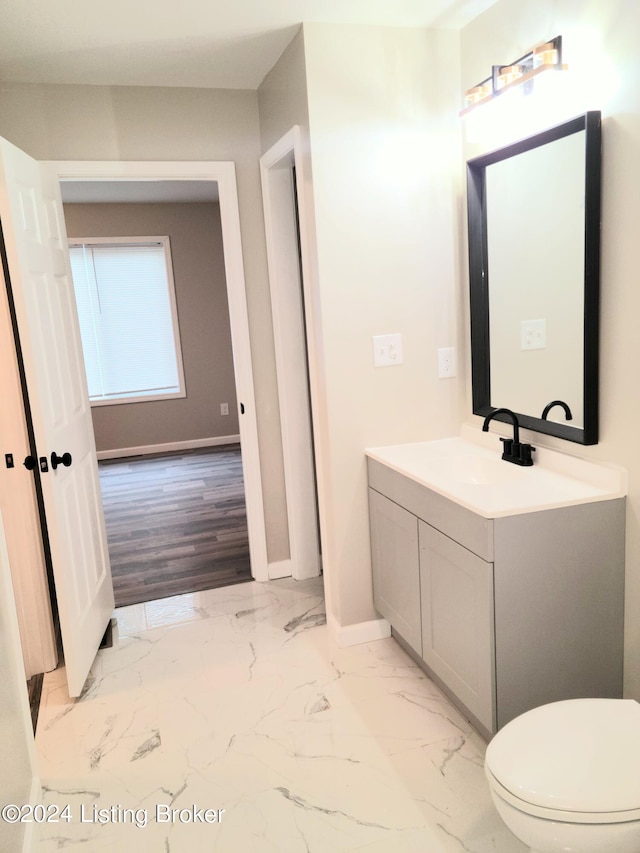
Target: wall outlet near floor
(446, 362)
(224, 408)
(387, 350)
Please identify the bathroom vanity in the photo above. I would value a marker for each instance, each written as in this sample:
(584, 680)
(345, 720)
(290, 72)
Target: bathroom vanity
(506, 584)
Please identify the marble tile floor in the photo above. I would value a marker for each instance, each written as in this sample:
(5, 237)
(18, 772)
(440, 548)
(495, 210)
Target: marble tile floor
(237, 699)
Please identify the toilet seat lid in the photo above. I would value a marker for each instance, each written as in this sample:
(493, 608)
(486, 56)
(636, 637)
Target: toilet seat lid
(579, 755)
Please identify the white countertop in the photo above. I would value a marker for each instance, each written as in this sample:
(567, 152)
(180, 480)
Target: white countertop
(468, 470)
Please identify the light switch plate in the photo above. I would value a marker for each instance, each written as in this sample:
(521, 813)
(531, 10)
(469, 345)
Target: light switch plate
(387, 350)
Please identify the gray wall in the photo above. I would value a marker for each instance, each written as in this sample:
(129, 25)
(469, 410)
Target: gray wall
(282, 95)
(203, 314)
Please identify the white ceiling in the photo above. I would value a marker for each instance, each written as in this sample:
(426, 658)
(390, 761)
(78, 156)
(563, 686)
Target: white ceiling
(204, 43)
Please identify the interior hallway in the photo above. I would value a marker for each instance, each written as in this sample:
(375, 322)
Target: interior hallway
(238, 699)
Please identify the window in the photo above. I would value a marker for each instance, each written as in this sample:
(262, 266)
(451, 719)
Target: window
(128, 319)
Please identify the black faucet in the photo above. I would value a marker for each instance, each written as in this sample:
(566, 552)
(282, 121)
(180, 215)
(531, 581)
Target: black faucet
(549, 406)
(513, 450)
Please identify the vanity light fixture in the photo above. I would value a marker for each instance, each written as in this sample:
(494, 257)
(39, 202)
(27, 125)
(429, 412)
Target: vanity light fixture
(519, 74)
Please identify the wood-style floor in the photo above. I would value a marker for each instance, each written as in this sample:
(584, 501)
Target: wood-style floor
(175, 523)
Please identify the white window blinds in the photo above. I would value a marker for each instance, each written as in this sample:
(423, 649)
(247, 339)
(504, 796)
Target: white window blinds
(128, 320)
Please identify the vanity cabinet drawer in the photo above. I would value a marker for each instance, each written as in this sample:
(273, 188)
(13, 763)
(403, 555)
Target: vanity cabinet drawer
(456, 592)
(394, 560)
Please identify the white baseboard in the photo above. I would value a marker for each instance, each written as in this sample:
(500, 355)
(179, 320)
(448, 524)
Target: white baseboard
(147, 449)
(280, 569)
(361, 632)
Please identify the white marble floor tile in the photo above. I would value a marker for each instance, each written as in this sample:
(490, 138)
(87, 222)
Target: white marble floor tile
(237, 699)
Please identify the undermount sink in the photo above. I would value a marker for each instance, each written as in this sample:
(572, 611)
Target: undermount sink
(469, 470)
(472, 469)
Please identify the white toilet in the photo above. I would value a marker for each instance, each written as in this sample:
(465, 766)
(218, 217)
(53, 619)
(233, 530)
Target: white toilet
(566, 776)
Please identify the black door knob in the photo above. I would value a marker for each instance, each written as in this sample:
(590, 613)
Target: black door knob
(30, 463)
(56, 460)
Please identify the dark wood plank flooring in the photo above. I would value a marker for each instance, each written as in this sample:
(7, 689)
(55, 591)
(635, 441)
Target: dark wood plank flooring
(34, 689)
(175, 523)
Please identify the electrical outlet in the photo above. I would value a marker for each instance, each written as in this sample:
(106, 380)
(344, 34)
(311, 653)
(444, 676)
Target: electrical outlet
(533, 334)
(224, 408)
(387, 350)
(446, 362)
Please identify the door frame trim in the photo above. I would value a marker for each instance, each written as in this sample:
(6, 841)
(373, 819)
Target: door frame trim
(289, 277)
(223, 173)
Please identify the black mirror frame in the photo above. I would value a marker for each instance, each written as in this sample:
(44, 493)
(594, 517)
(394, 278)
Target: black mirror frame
(590, 122)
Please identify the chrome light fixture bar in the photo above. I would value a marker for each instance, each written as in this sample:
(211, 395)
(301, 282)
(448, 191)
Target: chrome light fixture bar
(520, 72)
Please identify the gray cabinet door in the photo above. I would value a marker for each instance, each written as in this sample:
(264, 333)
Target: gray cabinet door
(457, 621)
(396, 574)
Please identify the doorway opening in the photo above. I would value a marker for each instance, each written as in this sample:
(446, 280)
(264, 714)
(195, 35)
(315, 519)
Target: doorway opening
(171, 469)
(206, 175)
(37, 257)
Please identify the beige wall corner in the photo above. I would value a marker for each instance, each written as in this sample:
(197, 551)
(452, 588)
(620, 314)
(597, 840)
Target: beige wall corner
(384, 145)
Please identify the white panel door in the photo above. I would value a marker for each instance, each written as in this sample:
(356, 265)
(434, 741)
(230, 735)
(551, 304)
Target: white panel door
(38, 264)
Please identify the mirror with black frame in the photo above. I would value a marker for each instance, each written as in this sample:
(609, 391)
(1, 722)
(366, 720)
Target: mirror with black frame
(534, 270)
